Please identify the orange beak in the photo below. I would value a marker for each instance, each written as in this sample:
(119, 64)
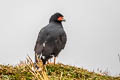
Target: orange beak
(61, 19)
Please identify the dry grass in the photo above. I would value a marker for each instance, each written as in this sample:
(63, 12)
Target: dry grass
(40, 72)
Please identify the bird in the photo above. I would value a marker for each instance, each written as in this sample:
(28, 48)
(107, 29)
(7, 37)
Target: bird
(51, 39)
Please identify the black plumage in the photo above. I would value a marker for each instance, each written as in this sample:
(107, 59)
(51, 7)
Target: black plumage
(51, 39)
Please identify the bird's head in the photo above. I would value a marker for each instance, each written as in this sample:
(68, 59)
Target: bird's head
(57, 17)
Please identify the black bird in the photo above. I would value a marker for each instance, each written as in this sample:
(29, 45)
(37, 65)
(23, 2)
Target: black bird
(51, 39)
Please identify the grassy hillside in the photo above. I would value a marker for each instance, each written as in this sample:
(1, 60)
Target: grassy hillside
(54, 72)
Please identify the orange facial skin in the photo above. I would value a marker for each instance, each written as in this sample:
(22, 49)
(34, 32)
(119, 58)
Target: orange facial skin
(60, 18)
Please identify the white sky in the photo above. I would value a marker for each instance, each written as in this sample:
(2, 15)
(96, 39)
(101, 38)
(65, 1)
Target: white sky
(92, 26)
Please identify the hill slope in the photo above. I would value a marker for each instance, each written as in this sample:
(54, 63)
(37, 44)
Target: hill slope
(54, 72)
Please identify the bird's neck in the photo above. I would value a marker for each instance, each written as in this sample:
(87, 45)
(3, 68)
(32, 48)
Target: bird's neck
(58, 23)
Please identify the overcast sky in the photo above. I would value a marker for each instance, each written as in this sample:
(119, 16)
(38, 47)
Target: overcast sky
(92, 27)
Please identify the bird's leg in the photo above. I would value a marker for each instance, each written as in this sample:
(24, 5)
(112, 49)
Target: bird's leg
(54, 60)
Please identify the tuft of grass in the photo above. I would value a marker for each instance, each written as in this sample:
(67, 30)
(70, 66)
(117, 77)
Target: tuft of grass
(28, 71)
(39, 73)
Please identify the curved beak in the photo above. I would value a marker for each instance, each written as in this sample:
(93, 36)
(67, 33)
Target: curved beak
(63, 20)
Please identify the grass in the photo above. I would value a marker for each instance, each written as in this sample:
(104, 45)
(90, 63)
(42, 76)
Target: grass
(27, 71)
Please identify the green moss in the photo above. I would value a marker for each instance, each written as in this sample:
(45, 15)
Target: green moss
(55, 72)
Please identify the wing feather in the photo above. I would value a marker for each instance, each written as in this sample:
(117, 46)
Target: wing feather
(40, 41)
